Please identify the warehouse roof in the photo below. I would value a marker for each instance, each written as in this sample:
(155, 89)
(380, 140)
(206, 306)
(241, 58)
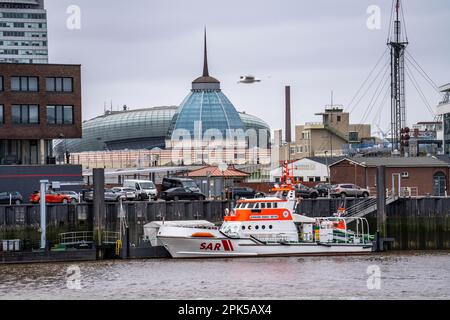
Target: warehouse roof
(419, 162)
(325, 160)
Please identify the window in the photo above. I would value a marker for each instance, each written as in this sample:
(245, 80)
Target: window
(1, 114)
(338, 118)
(59, 114)
(1, 83)
(25, 114)
(24, 84)
(59, 84)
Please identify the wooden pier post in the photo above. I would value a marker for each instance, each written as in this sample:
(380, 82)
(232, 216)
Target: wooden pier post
(381, 206)
(99, 208)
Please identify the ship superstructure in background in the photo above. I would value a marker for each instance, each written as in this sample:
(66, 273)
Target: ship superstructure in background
(267, 226)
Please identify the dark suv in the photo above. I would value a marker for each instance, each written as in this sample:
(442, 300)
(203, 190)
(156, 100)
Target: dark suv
(13, 197)
(175, 194)
(306, 192)
(323, 189)
(237, 193)
(187, 183)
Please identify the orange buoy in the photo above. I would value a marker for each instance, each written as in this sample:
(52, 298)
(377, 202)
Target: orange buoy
(202, 235)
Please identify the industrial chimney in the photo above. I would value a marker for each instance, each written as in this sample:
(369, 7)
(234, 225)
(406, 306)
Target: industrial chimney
(288, 114)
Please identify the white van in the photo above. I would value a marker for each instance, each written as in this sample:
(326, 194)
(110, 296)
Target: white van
(146, 187)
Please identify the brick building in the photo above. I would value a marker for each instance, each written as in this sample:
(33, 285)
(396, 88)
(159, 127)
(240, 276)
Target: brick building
(38, 103)
(422, 175)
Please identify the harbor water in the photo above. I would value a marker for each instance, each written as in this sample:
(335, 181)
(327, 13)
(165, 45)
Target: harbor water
(393, 275)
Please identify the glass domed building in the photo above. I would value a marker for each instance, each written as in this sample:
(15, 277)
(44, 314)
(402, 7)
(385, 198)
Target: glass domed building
(154, 127)
(206, 108)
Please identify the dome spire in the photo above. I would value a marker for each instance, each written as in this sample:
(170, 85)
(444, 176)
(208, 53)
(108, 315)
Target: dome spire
(205, 82)
(205, 59)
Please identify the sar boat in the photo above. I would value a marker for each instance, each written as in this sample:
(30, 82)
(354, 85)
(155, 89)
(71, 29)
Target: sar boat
(268, 226)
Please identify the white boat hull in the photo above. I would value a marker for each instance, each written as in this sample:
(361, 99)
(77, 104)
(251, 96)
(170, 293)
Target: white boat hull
(180, 244)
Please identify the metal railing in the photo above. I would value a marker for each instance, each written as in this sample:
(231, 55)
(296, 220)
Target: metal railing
(110, 237)
(367, 206)
(73, 238)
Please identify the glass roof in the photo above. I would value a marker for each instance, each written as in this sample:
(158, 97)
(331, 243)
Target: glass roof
(210, 107)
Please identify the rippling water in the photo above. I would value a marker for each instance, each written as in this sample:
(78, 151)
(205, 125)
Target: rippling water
(416, 275)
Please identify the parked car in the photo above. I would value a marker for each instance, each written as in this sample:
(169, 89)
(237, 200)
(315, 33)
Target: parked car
(129, 193)
(176, 194)
(348, 190)
(72, 194)
(323, 189)
(144, 189)
(170, 183)
(237, 193)
(110, 196)
(306, 192)
(13, 197)
(50, 197)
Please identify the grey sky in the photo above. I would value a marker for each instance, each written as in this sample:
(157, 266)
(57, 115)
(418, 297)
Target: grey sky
(145, 53)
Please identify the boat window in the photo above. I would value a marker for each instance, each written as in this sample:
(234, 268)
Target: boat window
(243, 227)
(256, 205)
(270, 227)
(251, 205)
(263, 227)
(263, 205)
(249, 227)
(275, 204)
(269, 205)
(257, 227)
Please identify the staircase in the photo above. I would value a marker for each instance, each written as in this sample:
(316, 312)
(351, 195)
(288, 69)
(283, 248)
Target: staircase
(366, 207)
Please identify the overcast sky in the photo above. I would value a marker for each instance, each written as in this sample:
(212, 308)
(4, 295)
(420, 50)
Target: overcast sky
(146, 53)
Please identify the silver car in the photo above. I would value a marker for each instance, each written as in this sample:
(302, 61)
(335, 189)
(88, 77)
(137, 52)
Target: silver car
(72, 194)
(348, 190)
(129, 193)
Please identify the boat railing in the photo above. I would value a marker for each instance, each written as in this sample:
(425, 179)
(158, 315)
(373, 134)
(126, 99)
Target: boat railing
(362, 233)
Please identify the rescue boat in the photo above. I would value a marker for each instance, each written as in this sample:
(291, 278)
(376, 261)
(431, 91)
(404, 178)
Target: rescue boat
(268, 226)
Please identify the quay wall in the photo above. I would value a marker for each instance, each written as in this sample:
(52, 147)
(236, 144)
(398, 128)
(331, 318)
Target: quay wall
(413, 223)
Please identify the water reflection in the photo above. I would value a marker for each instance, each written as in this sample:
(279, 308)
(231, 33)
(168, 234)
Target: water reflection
(415, 275)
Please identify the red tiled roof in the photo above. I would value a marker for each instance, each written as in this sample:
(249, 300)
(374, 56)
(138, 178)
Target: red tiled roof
(215, 172)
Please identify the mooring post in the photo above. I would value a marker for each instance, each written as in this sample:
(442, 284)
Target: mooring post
(381, 206)
(99, 207)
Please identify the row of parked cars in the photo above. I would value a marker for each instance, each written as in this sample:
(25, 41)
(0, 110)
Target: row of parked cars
(343, 190)
(173, 189)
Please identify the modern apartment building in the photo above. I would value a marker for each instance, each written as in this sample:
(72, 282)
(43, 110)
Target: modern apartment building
(23, 31)
(38, 103)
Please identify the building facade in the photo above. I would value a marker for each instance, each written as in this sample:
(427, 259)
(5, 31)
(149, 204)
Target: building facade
(38, 103)
(310, 169)
(23, 31)
(443, 109)
(416, 176)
